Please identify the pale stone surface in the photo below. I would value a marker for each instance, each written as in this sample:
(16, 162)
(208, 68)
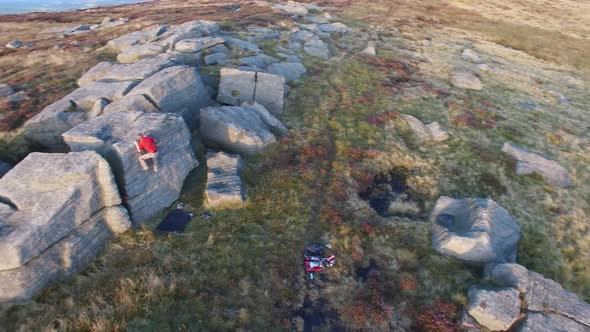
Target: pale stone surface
(528, 162)
(291, 71)
(550, 322)
(495, 308)
(112, 135)
(475, 230)
(141, 51)
(421, 132)
(273, 123)
(270, 92)
(127, 41)
(238, 44)
(292, 8)
(466, 80)
(45, 197)
(95, 73)
(177, 89)
(135, 103)
(508, 275)
(468, 323)
(236, 86)
(260, 61)
(14, 44)
(235, 129)
(224, 186)
(46, 127)
(97, 108)
(437, 133)
(317, 48)
(546, 295)
(334, 28)
(65, 258)
(193, 45)
(470, 55)
(370, 50)
(132, 72)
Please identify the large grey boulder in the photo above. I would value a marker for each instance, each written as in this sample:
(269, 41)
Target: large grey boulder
(112, 136)
(4, 168)
(193, 45)
(291, 71)
(550, 322)
(273, 123)
(470, 55)
(495, 308)
(258, 61)
(177, 89)
(129, 40)
(528, 162)
(475, 230)
(224, 186)
(466, 80)
(508, 275)
(46, 127)
(316, 47)
(241, 45)
(187, 30)
(46, 198)
(235, 129)
(109, 72)
(237, 87)
(141, 51)
(136, 103)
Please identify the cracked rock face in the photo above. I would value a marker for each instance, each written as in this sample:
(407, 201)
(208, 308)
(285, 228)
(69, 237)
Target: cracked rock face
(474, 230)
(495, 308)
(112, 135)
(56, 213)
(237, 87)
(528, 162)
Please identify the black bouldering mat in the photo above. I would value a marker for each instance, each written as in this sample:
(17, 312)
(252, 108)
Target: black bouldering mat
(175, 221)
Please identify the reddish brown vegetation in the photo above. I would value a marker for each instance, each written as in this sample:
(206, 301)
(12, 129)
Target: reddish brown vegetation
(441, 317)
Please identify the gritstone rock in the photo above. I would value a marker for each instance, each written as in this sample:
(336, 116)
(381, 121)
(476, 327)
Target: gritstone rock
(470, 55)
(108, 72)
(421, 133)
(214, 58)
(549, 322)
(292, 8)
(334, 28)
(466, 80)
(238, 44)
(112, 135)
(475, 230)
(194, 45)
(291, 71)
(317, 48)
(237, 86)
(495, 308)
(136, 103)
(141, 51)
(273, 123)
(138, 37)
(528, 162)
(508, 275)
(437, 133)
(224, 186)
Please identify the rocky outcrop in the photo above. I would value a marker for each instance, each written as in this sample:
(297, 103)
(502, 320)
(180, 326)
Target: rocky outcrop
(46, 127)
(127, 41)
(112, 136)
(528, 162)
(177, 89)
(291, 71)
(56, 213)
(141, 51)
(194, 45)
(475, 230)
(292, 8)
(109, 72)
(136, 103)
(495, 308)
(235, 129)
(237, 86)
(224, 186)
(542, 303)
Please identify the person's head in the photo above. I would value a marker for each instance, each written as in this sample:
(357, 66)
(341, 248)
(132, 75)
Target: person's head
(139, 136)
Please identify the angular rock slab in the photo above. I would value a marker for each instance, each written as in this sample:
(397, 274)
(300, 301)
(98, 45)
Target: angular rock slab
(495, 308)
(528, 162)
(549, 322)
(224, 186)
(48, 195)
(475, 230)
(465, 80)
(235, 129)
(65, 258)
(127, 41)
(109, 72)
(177, 89)
(141, 51)
(508, 275)
(237, 87)
(46, 127)
(193, 45)
(421, 132)
(136, 103)
(112, 135)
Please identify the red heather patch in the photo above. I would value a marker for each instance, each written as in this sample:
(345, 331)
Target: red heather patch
(441, 317)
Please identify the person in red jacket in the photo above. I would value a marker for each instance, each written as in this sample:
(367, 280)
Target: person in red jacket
(147, 143)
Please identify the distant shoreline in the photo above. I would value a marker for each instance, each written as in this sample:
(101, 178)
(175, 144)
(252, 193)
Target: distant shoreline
(66, 8)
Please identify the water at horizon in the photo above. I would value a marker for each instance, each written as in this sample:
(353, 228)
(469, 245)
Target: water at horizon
(27, 6)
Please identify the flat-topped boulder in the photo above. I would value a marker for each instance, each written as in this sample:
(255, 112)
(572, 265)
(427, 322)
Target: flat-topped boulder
(224, 186)
(112, 136)
(193, 45)
(495, 308)
(528, 162)
(238, 86)
(135, 103)
(110, 72)
(46, 198)
(127, 41)
(550, 322)
(141, 51)
(235, 129)
(475, 230)
(177, 89)
(46, 127)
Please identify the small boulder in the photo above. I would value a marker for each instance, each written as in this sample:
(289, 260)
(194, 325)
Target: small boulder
(292, 8)
(469, 55)
(241, 45)
(138, 71)
(528, 162)
(112, 135)
(177, 89)
(334, 28)
(316, 47)
(194, 45)
(5, 90)
(127, 41)
(370, 50)
(495, 308)
(214, 58)
(475, 230)
(259, 61)
(465, 80)
(235, 129)
(421, 133)
(437, 133)
(508, 275)
(291, 71)
(15, 44)
(224, 186)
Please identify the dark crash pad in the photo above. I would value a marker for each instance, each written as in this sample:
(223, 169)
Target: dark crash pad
(175, 221)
